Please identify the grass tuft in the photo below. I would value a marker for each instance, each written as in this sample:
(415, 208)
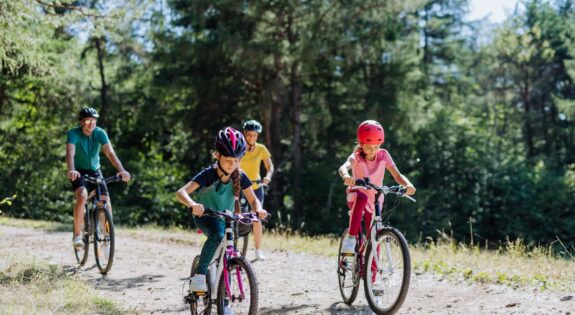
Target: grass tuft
(32, 286)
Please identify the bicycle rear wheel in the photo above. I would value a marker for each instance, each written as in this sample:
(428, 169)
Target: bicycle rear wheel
(348, 274)
(242, 297)
(242, 243)
(103, 239)
(386, 280)
(82, 252)
(199, 305)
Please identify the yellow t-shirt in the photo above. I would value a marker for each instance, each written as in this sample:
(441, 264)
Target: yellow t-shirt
(251, 162)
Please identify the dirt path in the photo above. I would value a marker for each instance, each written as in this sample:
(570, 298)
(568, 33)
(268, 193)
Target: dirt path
(146, 278)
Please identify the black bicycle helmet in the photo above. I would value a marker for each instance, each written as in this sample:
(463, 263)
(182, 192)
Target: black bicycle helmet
(88, 112)
(253, 125)
(230, 142)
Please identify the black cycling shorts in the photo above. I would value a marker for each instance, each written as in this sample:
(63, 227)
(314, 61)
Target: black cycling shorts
(80, 182)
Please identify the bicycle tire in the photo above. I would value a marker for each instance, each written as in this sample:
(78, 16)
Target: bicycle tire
(197, 306)
(238, 264)
(82, 252)
(347, 269)
(104, 239)
(378, 287)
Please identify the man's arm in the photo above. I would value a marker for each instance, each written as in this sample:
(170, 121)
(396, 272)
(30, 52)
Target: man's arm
(70, 153)
(111, 155)
(270, 170)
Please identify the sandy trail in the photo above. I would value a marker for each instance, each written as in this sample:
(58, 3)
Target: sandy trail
(146, 278)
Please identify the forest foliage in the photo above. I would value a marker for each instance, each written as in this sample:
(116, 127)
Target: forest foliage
(479, 116)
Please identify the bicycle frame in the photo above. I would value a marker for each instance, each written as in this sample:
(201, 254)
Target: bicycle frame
(224, 252)
(371, 235)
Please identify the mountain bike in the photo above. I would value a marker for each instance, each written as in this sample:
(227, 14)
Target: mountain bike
(381, 258)
(242, 240)
(236, 291)
(98, 227)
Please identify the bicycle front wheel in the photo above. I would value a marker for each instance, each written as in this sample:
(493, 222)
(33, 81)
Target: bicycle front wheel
(237, 289)
(387, 271)
(104, 239)
(347, 274)
(81, 253)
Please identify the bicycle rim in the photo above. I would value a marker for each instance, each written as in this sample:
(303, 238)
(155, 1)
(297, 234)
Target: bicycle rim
(386, 287)
(242, 286)
(347, 274)
(104, 240)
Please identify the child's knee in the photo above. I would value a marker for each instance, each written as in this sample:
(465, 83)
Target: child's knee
(361, 197)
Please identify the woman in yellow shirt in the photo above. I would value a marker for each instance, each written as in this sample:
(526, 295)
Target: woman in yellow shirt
(250, 164)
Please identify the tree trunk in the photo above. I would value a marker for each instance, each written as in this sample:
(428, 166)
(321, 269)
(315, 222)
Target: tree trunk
(295, 96)
(104, 85)
(528, 128)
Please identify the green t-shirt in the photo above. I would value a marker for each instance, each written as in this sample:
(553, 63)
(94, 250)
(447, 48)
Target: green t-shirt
(87, 155)
(215, 194)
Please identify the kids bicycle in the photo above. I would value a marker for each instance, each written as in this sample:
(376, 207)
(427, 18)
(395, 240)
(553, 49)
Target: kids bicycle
(381, 259)
(242, 241)
(98, 227)
(236, 291)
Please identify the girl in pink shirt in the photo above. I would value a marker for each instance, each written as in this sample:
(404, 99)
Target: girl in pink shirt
(368, 160)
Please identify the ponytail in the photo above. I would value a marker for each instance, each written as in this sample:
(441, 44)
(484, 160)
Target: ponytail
(358, 150)
(237, 188)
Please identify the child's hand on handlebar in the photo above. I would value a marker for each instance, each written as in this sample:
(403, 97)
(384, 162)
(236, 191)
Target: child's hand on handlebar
(262, 214)
(348, 181)
(409, 190)
(197, 209)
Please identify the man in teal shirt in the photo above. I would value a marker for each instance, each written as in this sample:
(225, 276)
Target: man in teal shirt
(83, 157)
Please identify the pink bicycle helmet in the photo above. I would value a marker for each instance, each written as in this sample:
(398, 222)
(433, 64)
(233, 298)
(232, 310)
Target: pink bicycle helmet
(230, 142)
(370, 132)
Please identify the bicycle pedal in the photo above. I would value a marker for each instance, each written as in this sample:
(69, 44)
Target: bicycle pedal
(378, 292)
(200, 293)
(347, 254)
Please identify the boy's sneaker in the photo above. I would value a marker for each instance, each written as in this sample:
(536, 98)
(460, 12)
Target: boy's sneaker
(260, 255)
(199, 284)
(348, 246)
(78, 241)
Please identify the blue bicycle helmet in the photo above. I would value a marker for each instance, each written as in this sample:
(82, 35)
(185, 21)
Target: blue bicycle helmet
(253, 125)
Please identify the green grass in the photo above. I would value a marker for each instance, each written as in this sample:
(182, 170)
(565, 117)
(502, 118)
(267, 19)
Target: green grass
(514, 263)
(32, 286)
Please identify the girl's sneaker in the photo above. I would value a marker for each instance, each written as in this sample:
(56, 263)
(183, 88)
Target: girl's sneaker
(78, 241)
(199, 284)
(348, 246)
(260, 255)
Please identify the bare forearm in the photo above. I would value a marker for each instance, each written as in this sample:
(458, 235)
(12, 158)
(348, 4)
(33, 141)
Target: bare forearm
(270, 172)
(402, 180)
(184, 198)
(343, 171)
(116, 162)
(70, 162)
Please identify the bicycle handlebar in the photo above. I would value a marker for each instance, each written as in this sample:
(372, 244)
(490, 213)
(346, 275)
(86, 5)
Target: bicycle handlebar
(97, 180)
(396, 190)
(261, 182)
(244, 218)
